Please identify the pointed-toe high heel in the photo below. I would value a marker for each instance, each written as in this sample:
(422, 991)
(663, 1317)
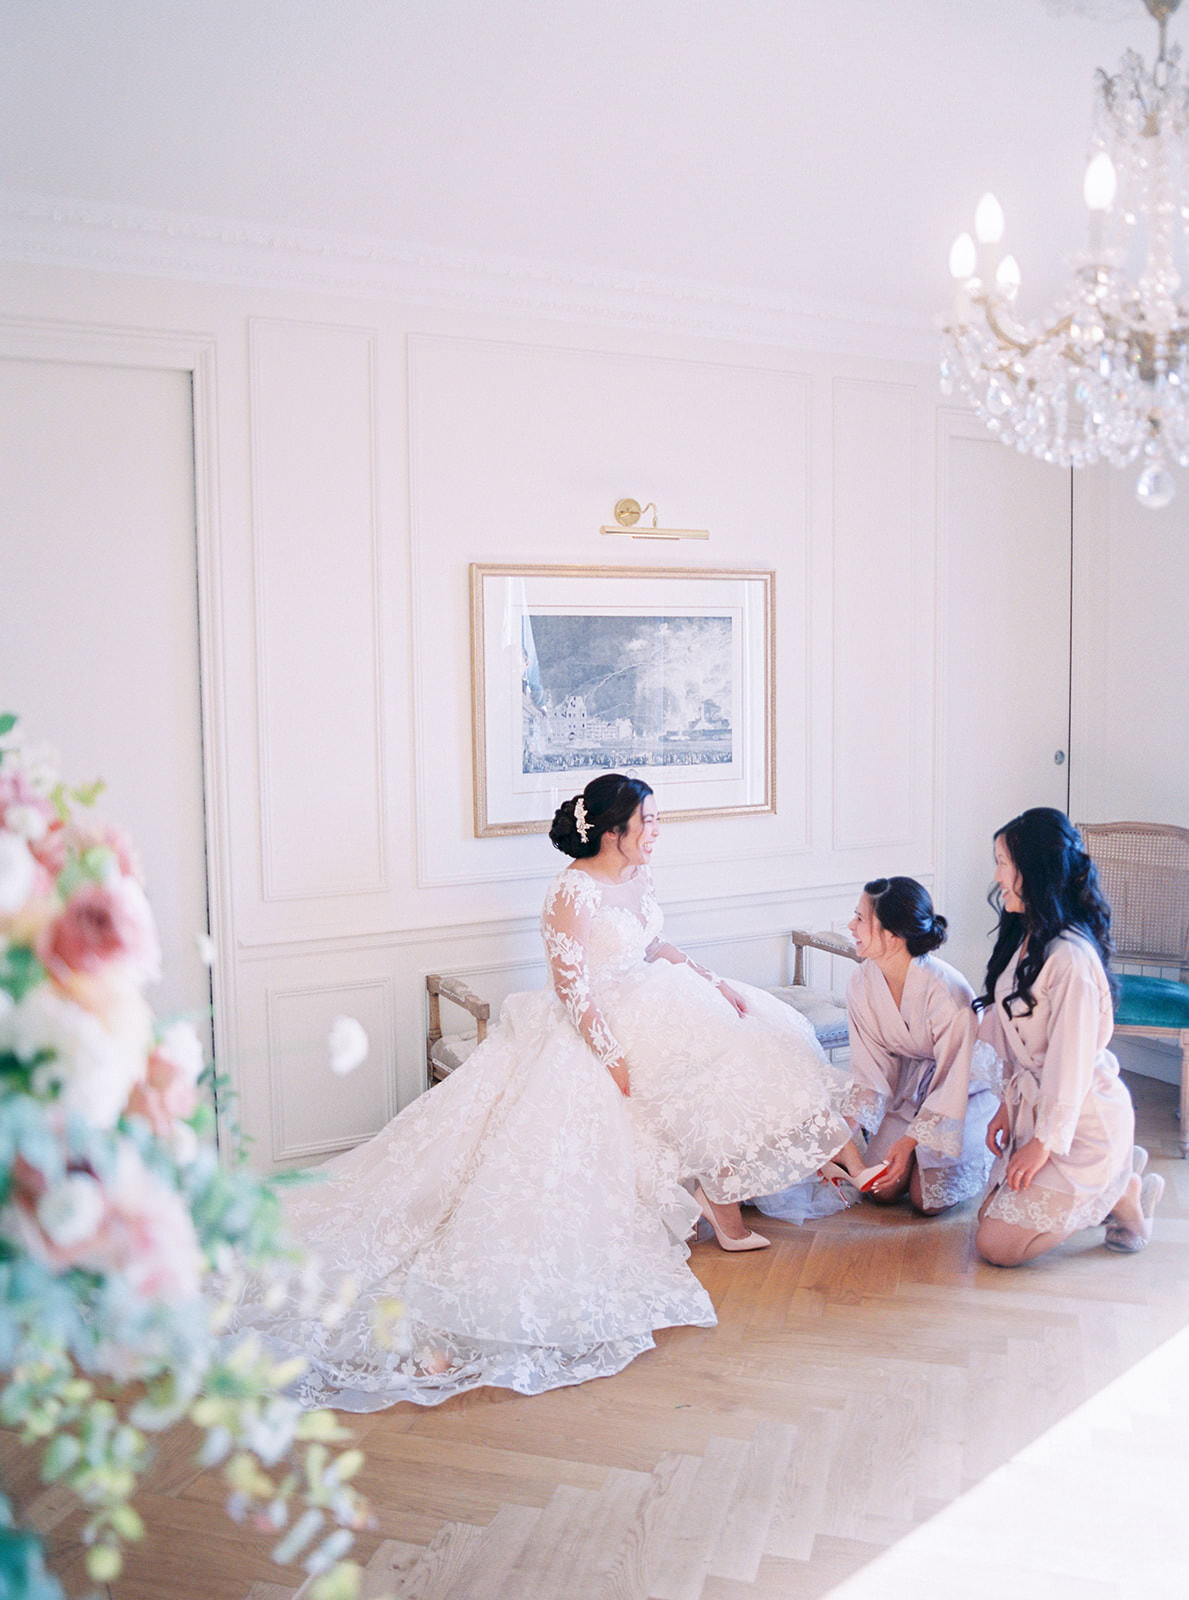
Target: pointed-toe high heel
(749, 1241)
(833, 1172)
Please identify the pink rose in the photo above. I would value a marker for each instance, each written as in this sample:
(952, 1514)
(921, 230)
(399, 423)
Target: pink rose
(131, 1223)
(100, 924)
(82, 836)
(50, 850)
(167, 1093)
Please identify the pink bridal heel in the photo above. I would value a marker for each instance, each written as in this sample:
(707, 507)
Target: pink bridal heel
(749, 1241)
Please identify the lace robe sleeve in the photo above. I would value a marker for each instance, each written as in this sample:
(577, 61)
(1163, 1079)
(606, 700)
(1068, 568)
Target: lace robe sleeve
(570, 905)
(940, 1122)
(869, 1087)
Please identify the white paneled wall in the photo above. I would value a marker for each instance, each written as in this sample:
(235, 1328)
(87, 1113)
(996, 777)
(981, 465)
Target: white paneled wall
(362, 454)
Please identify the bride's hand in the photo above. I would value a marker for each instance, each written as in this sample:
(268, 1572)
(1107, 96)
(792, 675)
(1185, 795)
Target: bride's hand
(619, 1073)
(736, 1000)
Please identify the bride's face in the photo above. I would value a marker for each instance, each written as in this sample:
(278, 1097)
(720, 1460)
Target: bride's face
(643, 829)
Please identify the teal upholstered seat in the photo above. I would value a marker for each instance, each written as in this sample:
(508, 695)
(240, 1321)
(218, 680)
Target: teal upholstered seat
(1151, 1003)
(1144, 871)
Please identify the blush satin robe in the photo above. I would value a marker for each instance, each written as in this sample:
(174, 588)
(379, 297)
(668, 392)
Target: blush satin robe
(1061, 1085)
(919, 1069)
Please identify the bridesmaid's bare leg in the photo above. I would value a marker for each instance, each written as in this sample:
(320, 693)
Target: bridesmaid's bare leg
(1005, 1245)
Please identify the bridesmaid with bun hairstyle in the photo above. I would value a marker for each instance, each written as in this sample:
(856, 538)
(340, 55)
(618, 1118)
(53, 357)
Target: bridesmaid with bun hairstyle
(1063, 1136)
(920, 1083)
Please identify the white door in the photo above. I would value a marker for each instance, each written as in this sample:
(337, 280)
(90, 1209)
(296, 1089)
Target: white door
(1004, 525)
(99, 637)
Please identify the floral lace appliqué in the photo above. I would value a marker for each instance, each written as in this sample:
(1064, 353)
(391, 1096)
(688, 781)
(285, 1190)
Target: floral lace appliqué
(943, 1134)
(866, 1106)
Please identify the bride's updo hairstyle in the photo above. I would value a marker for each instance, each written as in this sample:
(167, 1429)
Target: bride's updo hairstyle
(904, 909)
(606, 805)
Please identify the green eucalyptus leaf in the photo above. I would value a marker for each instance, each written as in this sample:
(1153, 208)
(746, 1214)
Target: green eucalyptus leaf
(61, 1453)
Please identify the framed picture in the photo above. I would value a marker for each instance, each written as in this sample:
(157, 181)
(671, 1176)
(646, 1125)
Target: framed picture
(665, 674)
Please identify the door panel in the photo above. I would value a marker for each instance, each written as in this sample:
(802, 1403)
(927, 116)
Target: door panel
(1003, 663)
(99, 643)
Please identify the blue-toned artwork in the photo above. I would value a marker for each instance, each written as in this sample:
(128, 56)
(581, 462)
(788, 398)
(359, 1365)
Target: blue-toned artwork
(626, 691)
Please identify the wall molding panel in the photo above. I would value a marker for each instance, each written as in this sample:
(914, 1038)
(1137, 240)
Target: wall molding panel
(298, 1019)
(877, 610)
(315, 538)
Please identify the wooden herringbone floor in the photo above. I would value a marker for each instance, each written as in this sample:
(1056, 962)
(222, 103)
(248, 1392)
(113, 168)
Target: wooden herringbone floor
(865, 1372)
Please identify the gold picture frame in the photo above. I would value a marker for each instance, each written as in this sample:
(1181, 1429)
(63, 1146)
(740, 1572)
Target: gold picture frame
(668, 673)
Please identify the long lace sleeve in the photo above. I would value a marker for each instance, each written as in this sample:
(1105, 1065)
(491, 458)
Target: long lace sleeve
(661, 950)
(570, 905)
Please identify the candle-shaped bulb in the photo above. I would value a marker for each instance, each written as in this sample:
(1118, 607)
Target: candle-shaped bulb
(988, 220)
(1007, 277)
(1100, 183)
(962, 258)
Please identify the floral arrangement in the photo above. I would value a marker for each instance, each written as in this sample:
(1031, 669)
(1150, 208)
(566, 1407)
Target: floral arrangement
(114, 1207)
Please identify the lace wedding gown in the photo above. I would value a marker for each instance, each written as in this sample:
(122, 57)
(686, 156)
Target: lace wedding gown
(530, 1218)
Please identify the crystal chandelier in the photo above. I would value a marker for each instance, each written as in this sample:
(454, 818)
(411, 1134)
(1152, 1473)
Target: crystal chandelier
(1105, 375)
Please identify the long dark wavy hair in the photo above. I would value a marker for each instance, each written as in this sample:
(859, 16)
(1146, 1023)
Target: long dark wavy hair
(1059, 888)
(609, 803)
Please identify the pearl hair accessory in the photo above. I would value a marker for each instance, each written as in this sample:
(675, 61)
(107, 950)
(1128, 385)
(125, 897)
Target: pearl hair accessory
(580, 821)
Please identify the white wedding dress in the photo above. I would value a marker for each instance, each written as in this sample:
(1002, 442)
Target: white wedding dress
(530, 1218)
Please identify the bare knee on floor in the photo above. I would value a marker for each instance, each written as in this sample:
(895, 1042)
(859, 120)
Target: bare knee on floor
(1000, 1244)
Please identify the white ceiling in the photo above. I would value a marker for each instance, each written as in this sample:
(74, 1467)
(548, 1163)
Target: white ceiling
(806, 148)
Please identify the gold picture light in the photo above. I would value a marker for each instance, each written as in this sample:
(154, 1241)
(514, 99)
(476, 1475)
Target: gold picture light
(627, 514)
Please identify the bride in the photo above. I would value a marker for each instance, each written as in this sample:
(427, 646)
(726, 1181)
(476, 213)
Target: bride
(531, 1212)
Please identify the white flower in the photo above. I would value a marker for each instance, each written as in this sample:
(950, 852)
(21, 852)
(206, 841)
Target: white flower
(18, 872)
(182, 1142)
(93, 1068)
(71, 1210)
(205, 946)
(28, 821)
(347, 1044)
(182, 1048)
(39, 763)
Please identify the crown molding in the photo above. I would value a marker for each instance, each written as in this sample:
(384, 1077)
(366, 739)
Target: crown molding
(50, 231)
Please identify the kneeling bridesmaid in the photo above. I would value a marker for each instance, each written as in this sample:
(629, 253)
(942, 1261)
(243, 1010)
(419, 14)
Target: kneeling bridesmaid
(920, 1083)
(1063, 1135)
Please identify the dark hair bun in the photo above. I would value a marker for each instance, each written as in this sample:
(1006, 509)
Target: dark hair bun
(606, 805)
(905, 910)
(565, 835)
(928, 939)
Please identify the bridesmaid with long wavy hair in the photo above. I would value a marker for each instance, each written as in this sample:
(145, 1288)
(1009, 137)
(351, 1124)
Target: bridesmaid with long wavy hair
(1063, 1136)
